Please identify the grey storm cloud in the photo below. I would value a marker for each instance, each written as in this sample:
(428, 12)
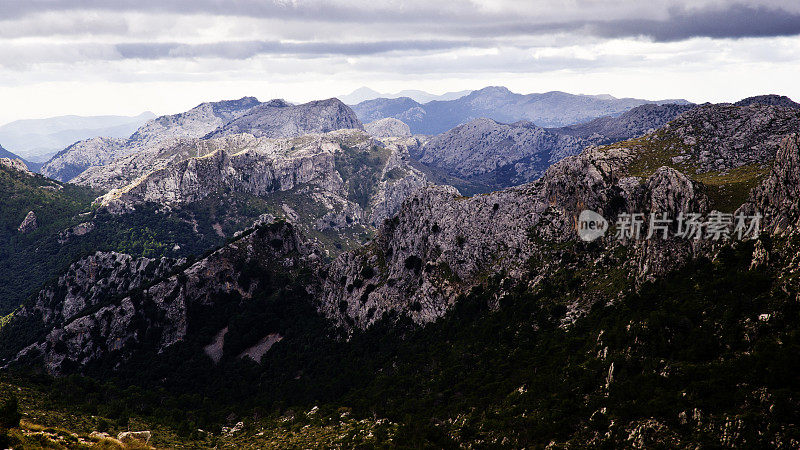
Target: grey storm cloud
(736, 19)
(732, 21)
(249, 49)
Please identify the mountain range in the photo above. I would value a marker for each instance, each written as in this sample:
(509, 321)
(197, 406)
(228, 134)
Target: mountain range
(550, 109)
(38, 139)
(275, 118)
(364, 93)
(277, 275)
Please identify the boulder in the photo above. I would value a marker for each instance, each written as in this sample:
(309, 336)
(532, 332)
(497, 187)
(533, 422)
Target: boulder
(134, 437)
(28, 224)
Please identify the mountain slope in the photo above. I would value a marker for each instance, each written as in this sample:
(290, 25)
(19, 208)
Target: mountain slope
(471, 321)
(388, 127)
(25, 260)
(169, 138)
(771, 100)
(441, 245)
(155, 134)
(633, 123)
(496, 156)
(707, 332)
(341, 182)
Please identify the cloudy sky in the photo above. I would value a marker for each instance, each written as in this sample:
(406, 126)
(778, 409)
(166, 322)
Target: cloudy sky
(127, 56)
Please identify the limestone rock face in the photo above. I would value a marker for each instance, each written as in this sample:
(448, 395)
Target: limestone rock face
(125, 169)
(504, 155)
(92, 281)
(388, 127)
(634, 123)
(440, 244)
(176, 138)
(84, 321)
(195, 123)
(28, 224)
(70, 162)
(278, 119)
(770, 99)
(327, 169)
(778, 197)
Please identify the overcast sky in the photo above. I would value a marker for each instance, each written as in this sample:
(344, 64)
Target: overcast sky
(124, 57)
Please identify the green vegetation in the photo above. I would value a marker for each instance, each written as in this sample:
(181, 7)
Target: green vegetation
(509, 375)
(361, 171)
(27, 260)
(726, 190)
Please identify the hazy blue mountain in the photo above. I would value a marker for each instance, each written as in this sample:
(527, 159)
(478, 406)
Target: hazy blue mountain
(364, 93)
(34, 167)
(38, 139)
(550, 109)
(634, 123)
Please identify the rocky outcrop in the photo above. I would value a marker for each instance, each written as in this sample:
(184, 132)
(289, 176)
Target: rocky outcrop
(85, 323)
(92, 281)
(777, 198)
(70, 162)
(349, 178)
(438, 246)
(239, 162)
(15, 164)
(278, 119)
(134, 437)
(176, 138)
(722, 137)
(388, 127)
(124, 170)
(502, 155)
(441, 245)
(28, 224)
(195, 123)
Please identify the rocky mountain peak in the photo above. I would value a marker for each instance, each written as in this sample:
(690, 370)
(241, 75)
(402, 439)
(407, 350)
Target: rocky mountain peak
(281, 120)
(770, 100)
(154, 135)
(388, 127)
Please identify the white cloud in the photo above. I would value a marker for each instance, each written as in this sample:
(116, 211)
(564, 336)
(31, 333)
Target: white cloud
(106, 56)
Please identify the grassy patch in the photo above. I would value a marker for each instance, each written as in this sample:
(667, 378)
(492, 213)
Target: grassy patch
(727, 190)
